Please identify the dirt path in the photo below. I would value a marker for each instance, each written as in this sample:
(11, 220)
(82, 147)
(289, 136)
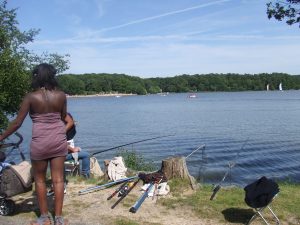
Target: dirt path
(93, 208)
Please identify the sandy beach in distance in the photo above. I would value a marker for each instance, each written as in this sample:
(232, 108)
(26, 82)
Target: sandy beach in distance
(100, 95)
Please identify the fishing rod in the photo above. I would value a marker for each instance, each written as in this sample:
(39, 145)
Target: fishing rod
(109, 184)
(232, 164)
(117, 190)
(148, 139)
(125, 194)
(139, 202)
(200, 147)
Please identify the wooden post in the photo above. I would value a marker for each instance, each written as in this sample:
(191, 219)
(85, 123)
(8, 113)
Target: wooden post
(175, 167)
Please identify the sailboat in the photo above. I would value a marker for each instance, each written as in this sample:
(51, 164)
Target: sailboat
(193, 95)
(280, 87)
(268, 87)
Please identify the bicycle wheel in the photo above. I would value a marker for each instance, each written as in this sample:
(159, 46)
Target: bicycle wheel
(6, 207)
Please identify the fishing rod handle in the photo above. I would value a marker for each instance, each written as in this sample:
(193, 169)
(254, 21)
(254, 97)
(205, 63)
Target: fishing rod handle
(117, 190)
(215, 191)
(126, 193)
(139, 202)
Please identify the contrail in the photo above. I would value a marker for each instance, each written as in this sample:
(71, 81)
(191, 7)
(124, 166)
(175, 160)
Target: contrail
(163, 15)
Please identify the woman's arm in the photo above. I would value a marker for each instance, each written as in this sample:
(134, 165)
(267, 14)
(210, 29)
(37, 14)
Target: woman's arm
(72, 150)
(16, 123)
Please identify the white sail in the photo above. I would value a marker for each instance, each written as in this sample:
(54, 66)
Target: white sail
(268, 87)
(280, 87)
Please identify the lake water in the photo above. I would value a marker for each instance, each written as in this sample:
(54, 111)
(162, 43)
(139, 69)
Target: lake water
(266, 123)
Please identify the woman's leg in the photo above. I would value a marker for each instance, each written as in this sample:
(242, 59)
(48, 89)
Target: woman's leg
(57, 171)
(39, 168)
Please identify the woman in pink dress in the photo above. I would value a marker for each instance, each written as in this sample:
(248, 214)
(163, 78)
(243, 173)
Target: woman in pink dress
(47, 108)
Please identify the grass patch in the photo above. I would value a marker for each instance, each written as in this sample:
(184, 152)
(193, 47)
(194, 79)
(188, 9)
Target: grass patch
(229, 205)
(179, 186)
(123, 221)
(135, 161)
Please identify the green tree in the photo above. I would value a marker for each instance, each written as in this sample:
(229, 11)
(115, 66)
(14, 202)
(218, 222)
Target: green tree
(16, 61)
(288, 10)
(71, 84)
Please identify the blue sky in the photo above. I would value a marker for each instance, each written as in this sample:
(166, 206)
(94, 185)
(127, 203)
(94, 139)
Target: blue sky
(160, 38)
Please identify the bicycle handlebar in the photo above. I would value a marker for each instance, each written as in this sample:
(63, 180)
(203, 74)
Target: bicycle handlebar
(15, 145)
(20, 138)
(6, 145)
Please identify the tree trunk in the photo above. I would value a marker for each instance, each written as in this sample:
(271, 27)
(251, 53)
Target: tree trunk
(175, 167)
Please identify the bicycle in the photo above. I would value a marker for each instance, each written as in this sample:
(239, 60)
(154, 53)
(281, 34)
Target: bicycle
(7, 206)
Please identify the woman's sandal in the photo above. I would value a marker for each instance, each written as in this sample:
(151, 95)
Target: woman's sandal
(42, 220)
(59, 220)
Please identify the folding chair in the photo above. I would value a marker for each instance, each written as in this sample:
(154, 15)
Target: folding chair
(258, 212)
(259, 196)
(72, 168)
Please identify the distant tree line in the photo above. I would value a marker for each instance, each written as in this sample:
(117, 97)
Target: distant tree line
(121, 83)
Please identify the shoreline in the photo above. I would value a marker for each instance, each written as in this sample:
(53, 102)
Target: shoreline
(100, 95)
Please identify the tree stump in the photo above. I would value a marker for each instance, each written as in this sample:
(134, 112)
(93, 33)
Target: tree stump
(106, 163)
(175, 167)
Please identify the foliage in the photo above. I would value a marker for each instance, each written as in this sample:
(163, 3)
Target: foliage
(288, 9)
(16, 61)
(135, 162)
(120, 83)
(71, 85)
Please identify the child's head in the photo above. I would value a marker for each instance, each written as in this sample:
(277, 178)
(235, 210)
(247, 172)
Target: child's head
(2, 156)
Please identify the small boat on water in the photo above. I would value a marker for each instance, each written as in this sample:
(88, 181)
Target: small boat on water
(280, 87)
(192, 96)
(163, 93)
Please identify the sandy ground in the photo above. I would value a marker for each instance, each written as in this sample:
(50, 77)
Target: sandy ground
(94, 208)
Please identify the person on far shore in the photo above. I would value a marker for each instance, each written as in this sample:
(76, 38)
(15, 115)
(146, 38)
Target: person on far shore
(47, 108)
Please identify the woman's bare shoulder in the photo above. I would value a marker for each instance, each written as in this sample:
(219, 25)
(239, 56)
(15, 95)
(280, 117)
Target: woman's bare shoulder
(60, 93)
(31, 94)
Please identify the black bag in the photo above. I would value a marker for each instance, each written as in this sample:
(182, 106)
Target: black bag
(261, 192)
(156, 177)
(72, 131)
